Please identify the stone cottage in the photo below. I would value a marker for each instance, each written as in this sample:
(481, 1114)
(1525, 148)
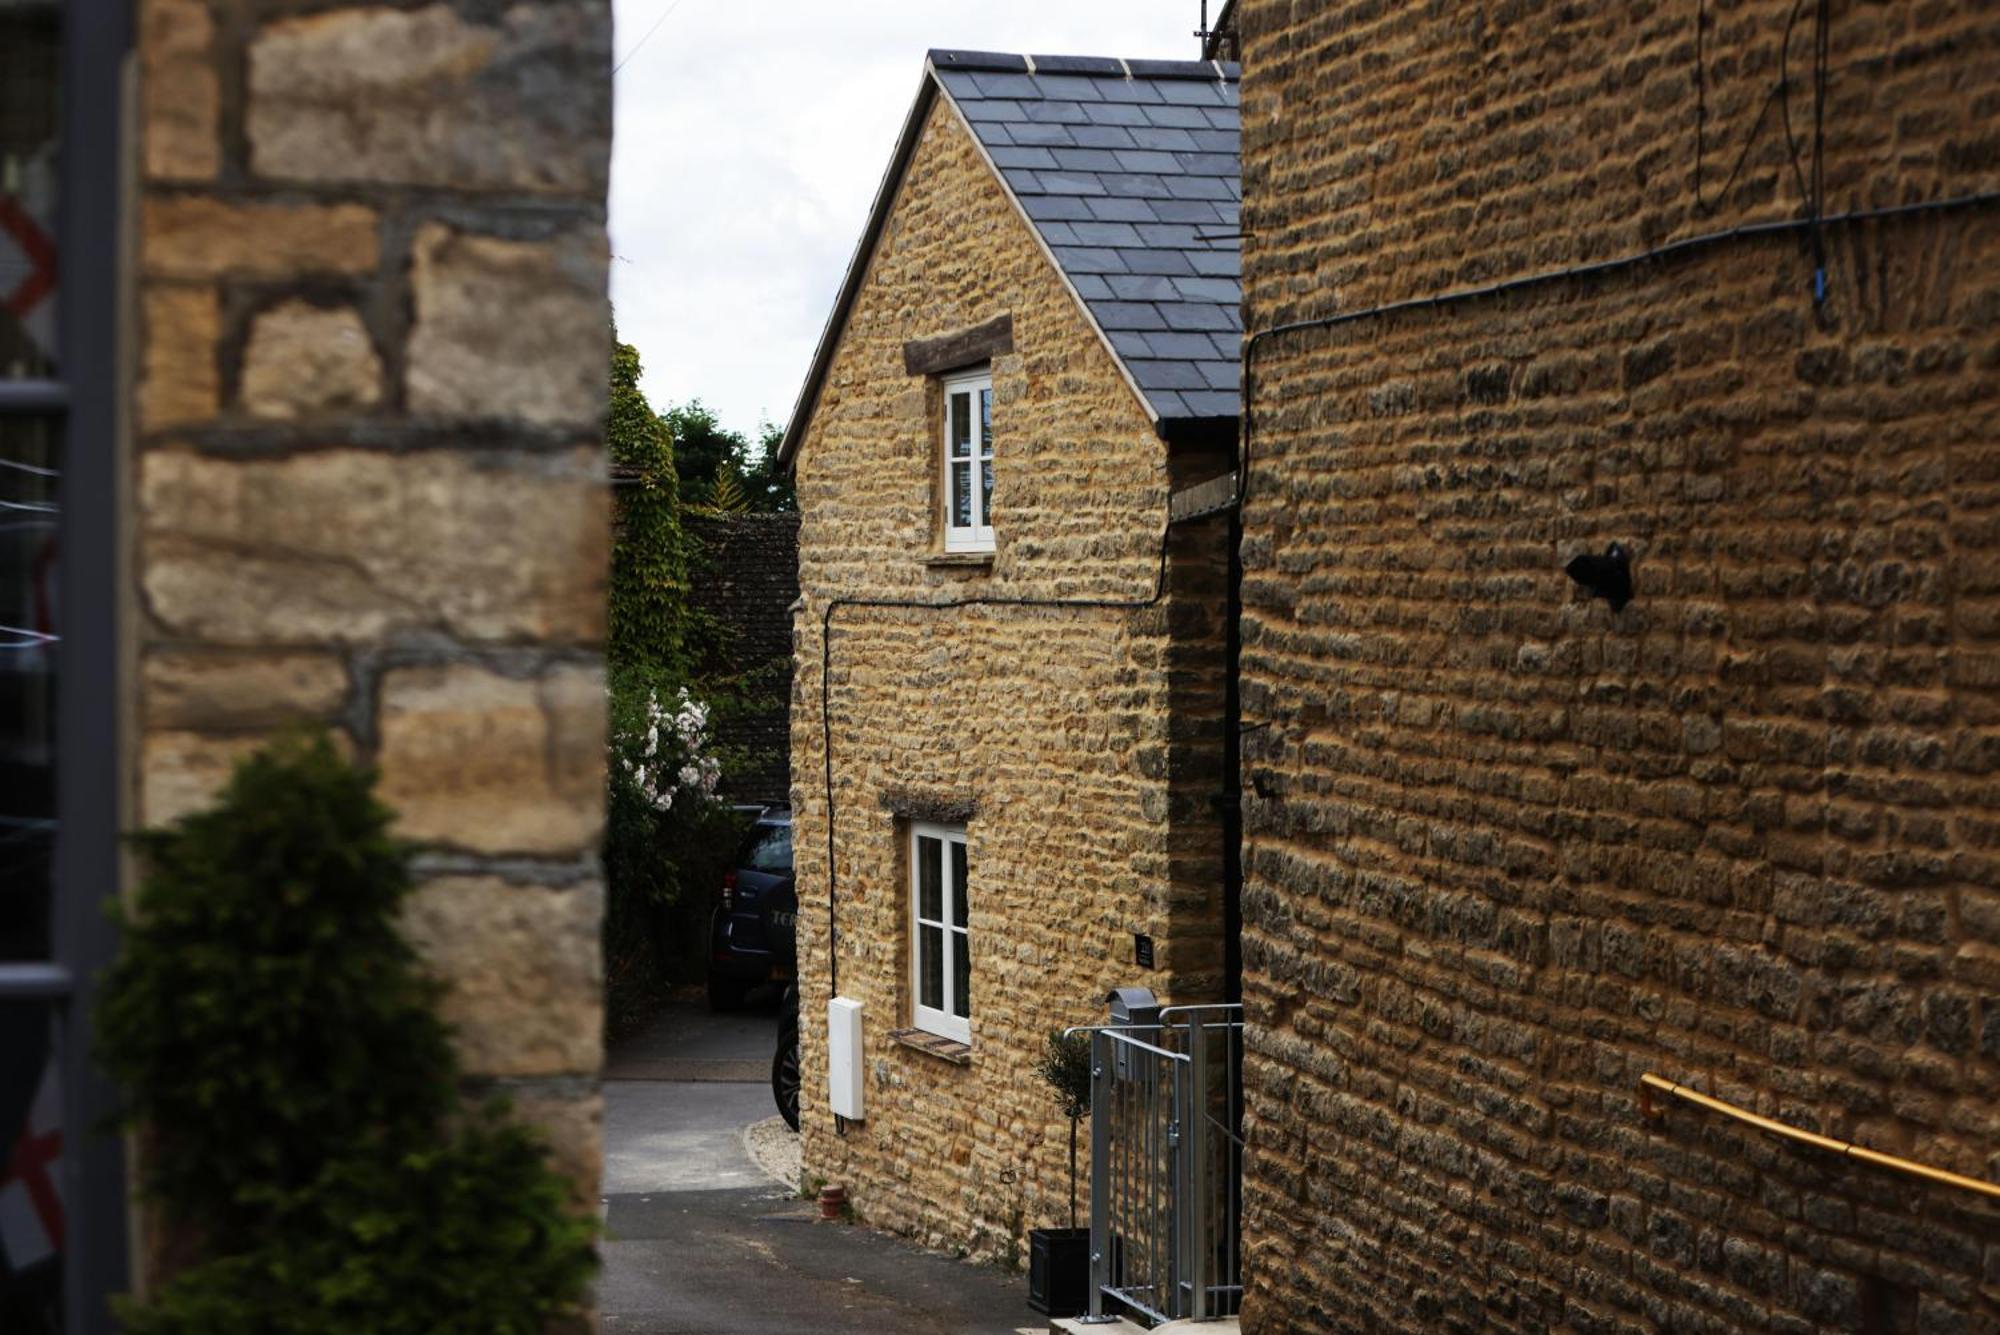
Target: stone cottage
(303, 350)
(1511, 847)
(1008, 725)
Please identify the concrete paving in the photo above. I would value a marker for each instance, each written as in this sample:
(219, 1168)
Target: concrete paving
(698, 1241)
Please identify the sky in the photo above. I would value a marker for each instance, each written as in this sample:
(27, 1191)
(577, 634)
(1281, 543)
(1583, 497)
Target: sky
(751, 138)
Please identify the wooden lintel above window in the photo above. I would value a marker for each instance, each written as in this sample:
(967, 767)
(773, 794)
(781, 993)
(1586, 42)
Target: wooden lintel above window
(960, 348)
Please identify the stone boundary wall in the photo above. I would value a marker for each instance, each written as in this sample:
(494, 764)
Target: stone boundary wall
(745, 576)
(1507, 850)
(368, 478)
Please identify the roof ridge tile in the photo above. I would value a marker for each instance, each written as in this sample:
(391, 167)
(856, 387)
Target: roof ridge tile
(1000, 62)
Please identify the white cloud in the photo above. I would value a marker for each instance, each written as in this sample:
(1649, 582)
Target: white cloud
(751, 137)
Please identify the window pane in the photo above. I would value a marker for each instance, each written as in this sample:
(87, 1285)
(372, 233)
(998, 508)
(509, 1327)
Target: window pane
(961, 425)
(961, 495)
(986, 421)
(986, 493)
(930, 966)
(30, 461)
(961, 975)
(958, 918)
(930, 882)
(767, 848)
(31, 1166)
(28, 121)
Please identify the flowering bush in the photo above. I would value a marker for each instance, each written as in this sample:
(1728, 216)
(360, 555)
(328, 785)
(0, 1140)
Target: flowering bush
(667, 839)
(667, 759)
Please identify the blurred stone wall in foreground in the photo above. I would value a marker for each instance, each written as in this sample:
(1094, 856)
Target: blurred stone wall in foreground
(368, 480)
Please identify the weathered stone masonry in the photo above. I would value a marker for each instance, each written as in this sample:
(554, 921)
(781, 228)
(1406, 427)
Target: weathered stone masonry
(1091, 812)
(1506, 850)
(368, 479)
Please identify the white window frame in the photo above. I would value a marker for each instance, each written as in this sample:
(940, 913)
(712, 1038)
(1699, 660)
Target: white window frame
(954, 936)
(978, 536)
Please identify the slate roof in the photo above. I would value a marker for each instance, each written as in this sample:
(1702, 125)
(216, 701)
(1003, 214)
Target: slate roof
(1129, 171)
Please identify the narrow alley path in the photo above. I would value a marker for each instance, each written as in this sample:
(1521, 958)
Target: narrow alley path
(700, 1241)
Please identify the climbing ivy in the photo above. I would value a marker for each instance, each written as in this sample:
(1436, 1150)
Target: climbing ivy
(651, 618)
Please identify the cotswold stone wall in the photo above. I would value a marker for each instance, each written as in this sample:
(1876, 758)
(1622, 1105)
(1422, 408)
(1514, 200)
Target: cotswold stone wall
(1508, 850)
(746, 578)
(371, 358)
(1091, 813)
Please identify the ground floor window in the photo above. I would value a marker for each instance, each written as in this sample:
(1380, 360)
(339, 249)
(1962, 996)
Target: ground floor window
(940, 948)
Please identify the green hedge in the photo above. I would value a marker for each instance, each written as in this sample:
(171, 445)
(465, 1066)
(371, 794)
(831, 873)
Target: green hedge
(280, 1049)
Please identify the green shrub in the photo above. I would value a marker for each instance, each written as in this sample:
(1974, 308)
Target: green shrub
(278, 1043)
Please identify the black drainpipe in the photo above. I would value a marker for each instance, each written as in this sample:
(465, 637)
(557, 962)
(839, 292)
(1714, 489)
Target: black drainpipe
(1232, 766)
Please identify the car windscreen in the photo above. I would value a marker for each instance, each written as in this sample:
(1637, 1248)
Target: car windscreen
(769, 848)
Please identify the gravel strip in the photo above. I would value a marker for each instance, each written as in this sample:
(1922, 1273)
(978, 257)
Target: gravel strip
(774, 1147)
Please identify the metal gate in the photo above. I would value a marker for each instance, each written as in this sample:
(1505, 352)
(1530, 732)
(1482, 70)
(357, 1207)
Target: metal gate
(1166, 1165)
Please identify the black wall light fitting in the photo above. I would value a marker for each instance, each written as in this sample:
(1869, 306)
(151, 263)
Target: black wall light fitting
(1608, 576)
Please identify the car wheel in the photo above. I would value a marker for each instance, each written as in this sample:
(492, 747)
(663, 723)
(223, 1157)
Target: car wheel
(785, 1075)
(726, 994)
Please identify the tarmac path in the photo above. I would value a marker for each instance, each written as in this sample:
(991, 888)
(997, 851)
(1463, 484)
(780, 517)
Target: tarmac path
(700, 1241)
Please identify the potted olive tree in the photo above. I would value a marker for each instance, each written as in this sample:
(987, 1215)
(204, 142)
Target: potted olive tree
(1059, 1258)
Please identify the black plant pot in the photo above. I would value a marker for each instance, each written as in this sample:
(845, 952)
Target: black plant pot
(1059, 1271)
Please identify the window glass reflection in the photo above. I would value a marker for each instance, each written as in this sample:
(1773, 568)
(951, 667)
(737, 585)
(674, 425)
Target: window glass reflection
(32, 1210)
(27, 190)
(30, 471)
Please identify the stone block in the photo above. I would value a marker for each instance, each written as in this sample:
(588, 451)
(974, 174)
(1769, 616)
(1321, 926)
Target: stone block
(179, 383)
(347, 545)
(181, 772)
(179, 94)
(475, 760)
(429, 97)
(193, 236)
(305, 360)
(195, 689)
(525, 987)
(574, 1126)
(488, 314)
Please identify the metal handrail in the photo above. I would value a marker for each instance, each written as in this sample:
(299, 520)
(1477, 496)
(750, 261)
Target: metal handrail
(1122, 1030)
(1648, 1083)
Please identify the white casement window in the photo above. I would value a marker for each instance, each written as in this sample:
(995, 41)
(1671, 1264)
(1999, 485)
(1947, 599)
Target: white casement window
(940, 950)
(968, 462)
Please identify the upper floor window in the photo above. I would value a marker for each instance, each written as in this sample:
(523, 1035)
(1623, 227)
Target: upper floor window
(968, 461)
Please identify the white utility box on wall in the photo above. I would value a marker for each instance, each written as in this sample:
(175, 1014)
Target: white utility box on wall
(843, 1057)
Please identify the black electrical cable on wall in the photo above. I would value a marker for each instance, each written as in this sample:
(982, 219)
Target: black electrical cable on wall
(933, 605)
(1780, 93)
(1670, 250)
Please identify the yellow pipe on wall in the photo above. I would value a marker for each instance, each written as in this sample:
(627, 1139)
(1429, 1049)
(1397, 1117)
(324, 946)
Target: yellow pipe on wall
(1650, 1084)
